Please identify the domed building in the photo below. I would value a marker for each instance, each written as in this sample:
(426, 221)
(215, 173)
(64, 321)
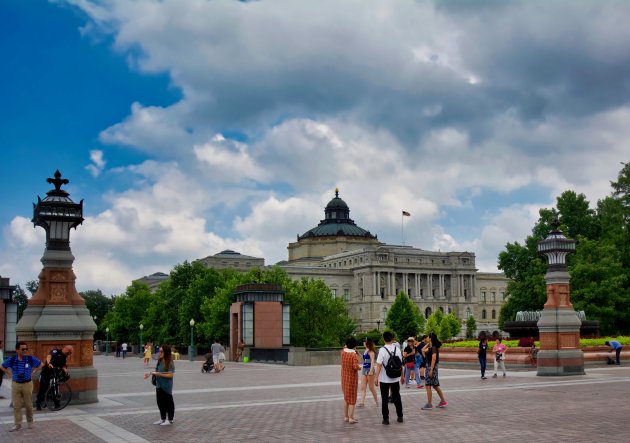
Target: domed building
(369, 274)
(336, 233)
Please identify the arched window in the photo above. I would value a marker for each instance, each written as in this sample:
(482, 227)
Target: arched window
(483, 314)
(468, 313)
(441, 309)
(494, 314)
(427, 312)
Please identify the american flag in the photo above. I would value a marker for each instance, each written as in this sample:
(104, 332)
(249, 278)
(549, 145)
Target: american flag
(406, 214)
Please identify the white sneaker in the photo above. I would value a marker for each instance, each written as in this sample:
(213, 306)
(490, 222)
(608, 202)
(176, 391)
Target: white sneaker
(166, 423)
(159, 422)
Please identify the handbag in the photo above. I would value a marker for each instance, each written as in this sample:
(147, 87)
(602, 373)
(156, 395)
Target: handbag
(154, 377)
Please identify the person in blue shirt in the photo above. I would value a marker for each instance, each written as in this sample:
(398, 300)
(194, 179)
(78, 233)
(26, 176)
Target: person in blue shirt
(615, 346)
(21, 367)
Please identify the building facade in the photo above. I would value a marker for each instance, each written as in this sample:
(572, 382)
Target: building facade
(369, 274)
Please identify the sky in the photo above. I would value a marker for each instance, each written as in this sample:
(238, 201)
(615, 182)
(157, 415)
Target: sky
(190, 127)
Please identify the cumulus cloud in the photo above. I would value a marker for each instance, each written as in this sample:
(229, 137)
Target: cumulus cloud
(430, 107)
(98, 163)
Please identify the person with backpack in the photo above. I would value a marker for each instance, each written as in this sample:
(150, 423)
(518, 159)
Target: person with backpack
(432, 356)
(21, 368)
(389, 375)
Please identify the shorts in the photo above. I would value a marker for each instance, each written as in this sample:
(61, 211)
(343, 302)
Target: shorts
(221, 357)
(368, 371)
(215, 358)
(433, 380)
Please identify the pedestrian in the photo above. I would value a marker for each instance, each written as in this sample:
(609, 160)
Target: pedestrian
(118, 350)
(239, 350)
(164, 372)
(56, 360)
(499, 356)
(420, 351)
(482, 353)
(387, 383)
(218, 351)
(349, 379)
(21, 368)
(431, 380)
(410, 363)
(615, 346)
(124, 350)
(147, 354)
(368, 371)
(1, 361)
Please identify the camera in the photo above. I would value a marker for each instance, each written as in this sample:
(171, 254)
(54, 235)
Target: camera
(499, 356)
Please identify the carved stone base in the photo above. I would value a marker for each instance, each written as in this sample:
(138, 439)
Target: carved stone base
(560, 362)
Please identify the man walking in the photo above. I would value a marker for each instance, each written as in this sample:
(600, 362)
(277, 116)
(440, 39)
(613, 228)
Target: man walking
(615, 346)
(124, 350)
(21, 367)
(385, 382)
(56, 360)
(218, 355)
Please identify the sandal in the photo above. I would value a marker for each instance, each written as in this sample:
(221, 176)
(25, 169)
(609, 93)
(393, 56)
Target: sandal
(345, 419)
(353, 421)
(361, 405)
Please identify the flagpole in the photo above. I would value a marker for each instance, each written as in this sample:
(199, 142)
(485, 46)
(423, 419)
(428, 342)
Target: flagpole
(402, 228)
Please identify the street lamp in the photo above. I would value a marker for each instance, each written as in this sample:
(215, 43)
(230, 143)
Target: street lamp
(191, 350)
(107, 342)
(140, 347)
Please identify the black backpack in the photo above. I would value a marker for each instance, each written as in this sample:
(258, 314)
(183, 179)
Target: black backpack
(394, 365)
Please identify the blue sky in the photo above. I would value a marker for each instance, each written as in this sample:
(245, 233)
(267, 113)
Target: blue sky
(192, 127)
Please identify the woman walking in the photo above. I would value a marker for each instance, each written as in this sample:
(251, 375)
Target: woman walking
(164, 386)
(349, 379)
(432, 357)
(369, 369)
(499, 356)
(147, 354)
(482, 353)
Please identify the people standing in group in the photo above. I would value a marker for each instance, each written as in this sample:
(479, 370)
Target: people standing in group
(499, 356)
(218, 355)
(482, 353)
(410, 363)
(431, 378)
(164, 373)
(615, 346)
(124, 350)
(368, 372)
(387, 383)
(349, 379)
(147, 354)
(56, 360)
(21, 367)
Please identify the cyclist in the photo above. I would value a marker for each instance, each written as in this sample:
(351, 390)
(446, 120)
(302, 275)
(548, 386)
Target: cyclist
(56, 360)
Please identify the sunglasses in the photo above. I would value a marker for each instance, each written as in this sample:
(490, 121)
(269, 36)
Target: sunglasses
(23, 349)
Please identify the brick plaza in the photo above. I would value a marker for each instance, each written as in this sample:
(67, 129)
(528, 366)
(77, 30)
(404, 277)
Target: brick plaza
(279, 403)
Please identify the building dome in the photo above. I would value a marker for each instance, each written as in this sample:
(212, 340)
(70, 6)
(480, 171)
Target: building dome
(336, 222)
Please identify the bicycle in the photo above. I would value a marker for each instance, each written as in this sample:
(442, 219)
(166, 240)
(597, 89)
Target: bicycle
(59, 393)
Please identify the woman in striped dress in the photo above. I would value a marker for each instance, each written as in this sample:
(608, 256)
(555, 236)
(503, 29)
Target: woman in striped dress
(349, 379)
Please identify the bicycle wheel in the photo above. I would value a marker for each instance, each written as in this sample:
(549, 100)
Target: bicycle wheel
(58, 396)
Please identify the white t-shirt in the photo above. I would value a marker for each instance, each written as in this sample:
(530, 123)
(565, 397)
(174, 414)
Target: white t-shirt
(124, 347)
(382, 358)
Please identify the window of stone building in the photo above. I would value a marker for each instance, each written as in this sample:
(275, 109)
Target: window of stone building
(483, 296)
(483, 314)
(465, 294)
(346, 294)
(382, 292)
(286, 325)
(421, 292)
(494, 314)
(441, 309)
(450, 310)
(494, 297)
(468, 313)
(427, 312)
(501, 296)
(248, 324)
(334, 292)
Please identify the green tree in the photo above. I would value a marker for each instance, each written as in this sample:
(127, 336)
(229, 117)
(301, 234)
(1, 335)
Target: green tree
(432, 324)
(128, 312)
(471, 327)
(455, 324)
(99, 305)
(445, 332)
(404, 317)
(19, 296)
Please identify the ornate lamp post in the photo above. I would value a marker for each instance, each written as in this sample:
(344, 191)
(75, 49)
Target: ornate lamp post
(140, 347)
(56, 314)
(559, 325)
(191, 349)
(107, 342)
